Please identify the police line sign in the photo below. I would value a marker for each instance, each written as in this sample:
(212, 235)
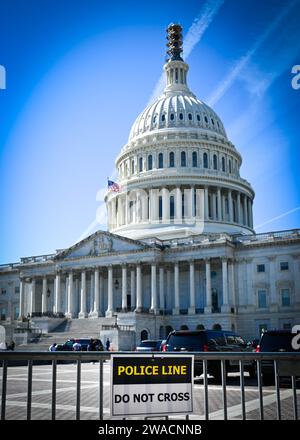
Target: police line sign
(151, 385)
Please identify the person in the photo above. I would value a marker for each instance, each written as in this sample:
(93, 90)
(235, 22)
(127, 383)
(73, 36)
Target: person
(107, 344)
(76, 345)
(92, 345)
(3, 346)
(53, 347)
(12, 345)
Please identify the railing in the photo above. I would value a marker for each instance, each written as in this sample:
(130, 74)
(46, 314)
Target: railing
(281, 362)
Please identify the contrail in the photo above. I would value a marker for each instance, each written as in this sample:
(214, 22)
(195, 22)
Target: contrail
(277, 218)
(193, 36)
(244, 60)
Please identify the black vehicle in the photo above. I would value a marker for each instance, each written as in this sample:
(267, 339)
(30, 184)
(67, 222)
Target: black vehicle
(84, 342)
(209, 340)
(149, 345)
(274, 341)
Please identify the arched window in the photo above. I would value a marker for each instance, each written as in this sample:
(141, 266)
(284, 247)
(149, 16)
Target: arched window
(172, 116)
(171, 160)
(223, 164)
(183, 159)
(181, 116)
(160, 160)
(172, 207)
(132, 167)
(229, 164)
(198, 118)
(163, 118)
(205, 160)
(190, 116)
(144, 335)
(150, 162)
(213, 122)
(215, 160)
(206, 120)
(195, 159)
(140, 164)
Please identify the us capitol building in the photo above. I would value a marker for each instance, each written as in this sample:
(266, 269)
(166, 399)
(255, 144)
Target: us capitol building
(180, 248)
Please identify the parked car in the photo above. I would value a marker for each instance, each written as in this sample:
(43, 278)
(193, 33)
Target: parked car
(209, 340)
(149, 345)
(274, 341)
(84, 342)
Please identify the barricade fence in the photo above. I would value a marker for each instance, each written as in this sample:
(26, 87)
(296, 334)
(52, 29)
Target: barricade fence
(280, 364)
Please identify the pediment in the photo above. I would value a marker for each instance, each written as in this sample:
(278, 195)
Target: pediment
(99, 244)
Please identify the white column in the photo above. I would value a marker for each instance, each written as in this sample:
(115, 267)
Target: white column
(96, 308)
(214, 212)
(124, 288)
(219, 204)
(165, 206)
(176, 289)
(232, 289)
(230, 206)
(178, 205)
(225, 306)
(69, 313)
(132, 289)
(32, 297)
(82, 313)
(153, 205)
(113, 219)
(193, 208)
(109, 311)
(153, 307)
(206, 203)
(192, 309)
(208, 286)
(238, 204)
(161, 288)
(144, 202)
(245, 211)
(138, 288)
(250, 215)
(44, 296)
(224, 209)
(21, 309)
(57, 303)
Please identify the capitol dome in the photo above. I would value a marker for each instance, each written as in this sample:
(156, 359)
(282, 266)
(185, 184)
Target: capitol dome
(178, 174)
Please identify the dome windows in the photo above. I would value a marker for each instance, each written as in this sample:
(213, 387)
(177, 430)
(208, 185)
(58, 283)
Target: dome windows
(215, 162)
(183, 159)
(198, 118)
(172, 116)
(223, 164)
(160, 160)
(140, 164)
(212, 121)
(163, 117)
(195, 159)
(132, 167)
(205, 119)
(190, 116)
(150, 162)
(171, 160)
(205, 160)
(230, 167)
(181, 116)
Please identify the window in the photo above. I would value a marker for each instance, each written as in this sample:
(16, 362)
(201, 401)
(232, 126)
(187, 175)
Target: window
(172, 116)
(3, 291)
(172, 207)
(171, 160)
(3, 314)
(260, 268)
(181, 116)
(160, 160)
(213, 122)
(150, 162)
(215, 160)
(262, 299)
(163, 118)
(183, 159)
(198, 118)
(284, 265)
(132, 167)
(17, 290)
(154, 119)
(229, 163)
(205, 160)
(223, 164)
(206, 120)
(195, 159)
(160, 207)
(141, 164)
(16, 312)
(190, 116)
(285, 297)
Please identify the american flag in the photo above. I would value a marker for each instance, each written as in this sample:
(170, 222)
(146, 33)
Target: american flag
(113, 186)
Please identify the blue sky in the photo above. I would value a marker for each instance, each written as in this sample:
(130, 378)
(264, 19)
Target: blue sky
(79, 73)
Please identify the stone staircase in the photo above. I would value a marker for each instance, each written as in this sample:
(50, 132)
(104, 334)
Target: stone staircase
(70, 328)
